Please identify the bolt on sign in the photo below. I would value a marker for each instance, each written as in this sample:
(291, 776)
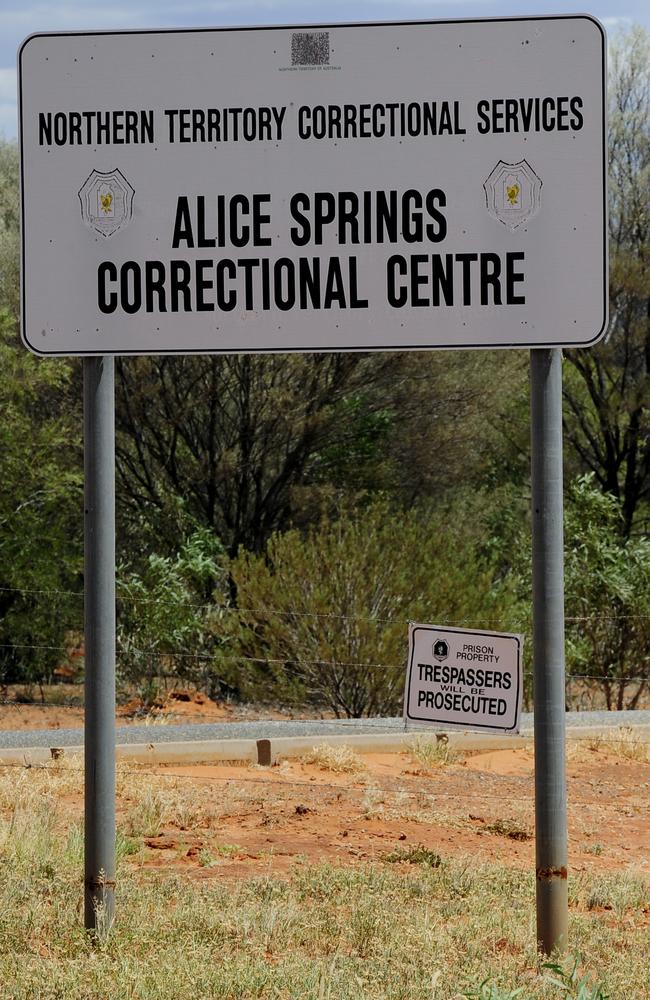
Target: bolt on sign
(340, 187)
(464, 679)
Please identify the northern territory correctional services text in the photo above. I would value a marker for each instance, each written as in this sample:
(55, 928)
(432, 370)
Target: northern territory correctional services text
(343, 218)
(398, 119)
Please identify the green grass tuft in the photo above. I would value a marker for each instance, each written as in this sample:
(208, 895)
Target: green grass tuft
(415, 855)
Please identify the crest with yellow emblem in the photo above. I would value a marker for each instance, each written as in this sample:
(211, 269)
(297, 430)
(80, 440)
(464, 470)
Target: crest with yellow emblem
(106, 201)
(513, 193)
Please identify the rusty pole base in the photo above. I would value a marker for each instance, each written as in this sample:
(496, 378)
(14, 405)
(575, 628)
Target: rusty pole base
(552, 909)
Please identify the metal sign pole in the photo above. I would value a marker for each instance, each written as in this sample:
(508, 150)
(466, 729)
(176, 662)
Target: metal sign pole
(548, 649)
(99, 613)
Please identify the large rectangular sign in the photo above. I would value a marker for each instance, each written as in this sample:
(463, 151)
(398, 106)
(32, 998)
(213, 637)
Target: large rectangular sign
(463, 679)
(337, 187)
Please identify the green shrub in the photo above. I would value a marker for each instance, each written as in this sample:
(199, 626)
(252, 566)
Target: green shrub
(166, 611)
(607, 595)
(323, 617)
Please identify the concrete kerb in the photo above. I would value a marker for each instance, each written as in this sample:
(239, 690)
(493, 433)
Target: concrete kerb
(246, 750)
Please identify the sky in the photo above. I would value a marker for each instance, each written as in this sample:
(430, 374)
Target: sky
(19, 18)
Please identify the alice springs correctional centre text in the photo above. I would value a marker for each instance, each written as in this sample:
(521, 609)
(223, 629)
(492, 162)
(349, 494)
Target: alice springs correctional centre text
(261, 283)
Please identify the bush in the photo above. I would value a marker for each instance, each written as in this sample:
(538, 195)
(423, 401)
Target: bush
(607, 596)
(165, 615)
(323, 617)
(607, 584)
(41, 510)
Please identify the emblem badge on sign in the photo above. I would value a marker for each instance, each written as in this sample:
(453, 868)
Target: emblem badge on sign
(513, 193)
(441, 649)
(106, 201)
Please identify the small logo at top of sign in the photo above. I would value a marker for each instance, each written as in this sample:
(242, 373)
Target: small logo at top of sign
(106, 201)
(440, 649)
(513, 193)
(310, 48)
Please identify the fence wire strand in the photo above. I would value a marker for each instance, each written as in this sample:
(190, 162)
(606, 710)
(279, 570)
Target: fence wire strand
(298, 613)
(218, 656)
(54, 768)
(205, 659)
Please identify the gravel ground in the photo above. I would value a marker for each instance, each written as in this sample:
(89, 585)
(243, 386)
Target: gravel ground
(268, 729)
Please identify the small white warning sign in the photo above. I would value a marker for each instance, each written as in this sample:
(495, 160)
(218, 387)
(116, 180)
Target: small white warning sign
(464, 680)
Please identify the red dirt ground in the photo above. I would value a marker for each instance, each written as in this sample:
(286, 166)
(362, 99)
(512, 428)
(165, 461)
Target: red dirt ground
(481, 808)
(181, 705)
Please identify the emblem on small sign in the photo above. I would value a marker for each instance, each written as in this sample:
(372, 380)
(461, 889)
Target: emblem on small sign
(106, 201)
(440, 649)
(513, 193)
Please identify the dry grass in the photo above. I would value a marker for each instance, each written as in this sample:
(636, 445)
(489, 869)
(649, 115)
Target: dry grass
(364, 934)
(339, 759)
(373, 804)
(429, 753)
(154, 719)
(625, 744)
(416, 854)
(62, 777)
(508, 827)
(628, 745)
(430, 929)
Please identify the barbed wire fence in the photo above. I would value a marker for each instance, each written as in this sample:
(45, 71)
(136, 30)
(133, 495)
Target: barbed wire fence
(198, 667)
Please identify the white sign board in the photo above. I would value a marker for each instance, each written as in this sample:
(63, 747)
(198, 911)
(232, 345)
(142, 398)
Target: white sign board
(342, 187)
(464, 679)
